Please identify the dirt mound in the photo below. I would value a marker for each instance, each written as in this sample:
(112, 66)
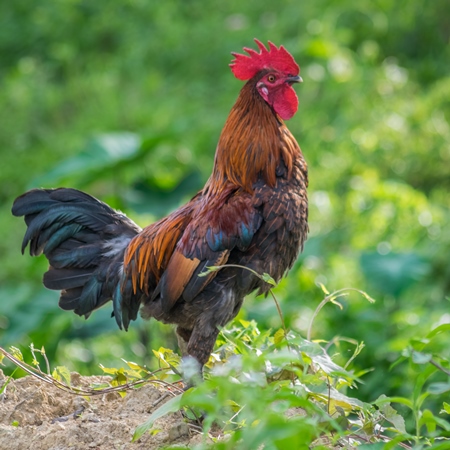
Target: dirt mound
(37, 415)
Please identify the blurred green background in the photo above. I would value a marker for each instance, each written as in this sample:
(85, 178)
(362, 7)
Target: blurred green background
(126, 100)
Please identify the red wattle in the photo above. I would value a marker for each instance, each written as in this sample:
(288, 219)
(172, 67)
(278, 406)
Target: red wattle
(285, 102)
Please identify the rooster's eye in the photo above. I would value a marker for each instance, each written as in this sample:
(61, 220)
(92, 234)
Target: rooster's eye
(271, 78)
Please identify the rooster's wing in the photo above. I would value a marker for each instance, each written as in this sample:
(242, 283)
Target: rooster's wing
(165, 260)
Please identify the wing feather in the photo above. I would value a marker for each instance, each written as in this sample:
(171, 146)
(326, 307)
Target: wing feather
(164, 260)
(178, 274)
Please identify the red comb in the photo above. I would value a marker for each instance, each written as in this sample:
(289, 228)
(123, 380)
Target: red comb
(245, 67)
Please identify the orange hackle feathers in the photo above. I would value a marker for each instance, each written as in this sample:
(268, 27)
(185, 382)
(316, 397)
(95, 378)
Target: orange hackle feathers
(241, 156)
(278, 58)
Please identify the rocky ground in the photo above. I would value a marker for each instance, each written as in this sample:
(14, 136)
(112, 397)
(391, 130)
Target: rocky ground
(40, 416)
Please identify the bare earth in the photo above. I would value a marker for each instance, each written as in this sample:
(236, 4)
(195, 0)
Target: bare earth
(35, 415)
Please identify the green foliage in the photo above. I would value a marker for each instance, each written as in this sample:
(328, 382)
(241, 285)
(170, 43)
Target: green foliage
(127, 100)
(283, 391)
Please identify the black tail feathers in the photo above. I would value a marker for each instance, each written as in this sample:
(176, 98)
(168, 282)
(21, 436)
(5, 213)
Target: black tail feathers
(84, 241)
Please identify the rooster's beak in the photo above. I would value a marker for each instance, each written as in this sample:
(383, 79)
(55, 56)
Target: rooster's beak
(296, 79)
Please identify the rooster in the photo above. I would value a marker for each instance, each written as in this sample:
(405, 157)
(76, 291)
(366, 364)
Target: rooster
(252, 212)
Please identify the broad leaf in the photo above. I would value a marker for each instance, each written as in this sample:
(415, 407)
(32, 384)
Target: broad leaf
(173, 405)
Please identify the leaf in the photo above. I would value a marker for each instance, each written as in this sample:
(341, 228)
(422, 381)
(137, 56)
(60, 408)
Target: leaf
(119, 378)
(234, 406)
(382, 399)
(62, 373)
(446, 408)
(336, 401)
(391, 415)
(268, 279)
(331, 368)
(109, 371)
(173, 405)
(16, 353)
(279, 336)
(134, 366)
(438, 388)
(374, 446)
(430, 421)
(168, 357)
(421, 358)
(306, 358)
(438, 330)
(155, 431)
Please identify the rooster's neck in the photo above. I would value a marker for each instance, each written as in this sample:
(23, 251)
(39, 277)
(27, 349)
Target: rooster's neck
(253, 144)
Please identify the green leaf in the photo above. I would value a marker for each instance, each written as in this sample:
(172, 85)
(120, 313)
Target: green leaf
(62, 373)
(234, 406)
(307, 359)
(421, 358)
(438, 330)
(268, 279)
(438, 388)
(446, 408)
(279, 336)
(391, 415)
(134, 366)
(167, 358)
(173, 405)
(393, 443)
(374, 446)
(109, 371)
(431, 422)
(382, 399)
(441, 446)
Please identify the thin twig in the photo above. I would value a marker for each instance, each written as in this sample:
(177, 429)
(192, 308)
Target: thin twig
(37, 373)
(330, 298)
(437, 365)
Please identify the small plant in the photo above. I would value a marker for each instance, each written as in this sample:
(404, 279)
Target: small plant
(274, 389)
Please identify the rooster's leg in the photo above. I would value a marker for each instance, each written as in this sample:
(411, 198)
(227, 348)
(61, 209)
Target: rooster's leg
(197, 343)
(201, 343)
(183, 336)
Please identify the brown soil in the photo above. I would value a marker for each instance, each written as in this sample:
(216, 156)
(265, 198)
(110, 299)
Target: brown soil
(36, 415)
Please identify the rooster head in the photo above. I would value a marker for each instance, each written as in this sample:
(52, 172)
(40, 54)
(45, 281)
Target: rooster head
(273, 70)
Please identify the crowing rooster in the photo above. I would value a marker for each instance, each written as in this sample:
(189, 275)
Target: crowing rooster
(252, 212)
